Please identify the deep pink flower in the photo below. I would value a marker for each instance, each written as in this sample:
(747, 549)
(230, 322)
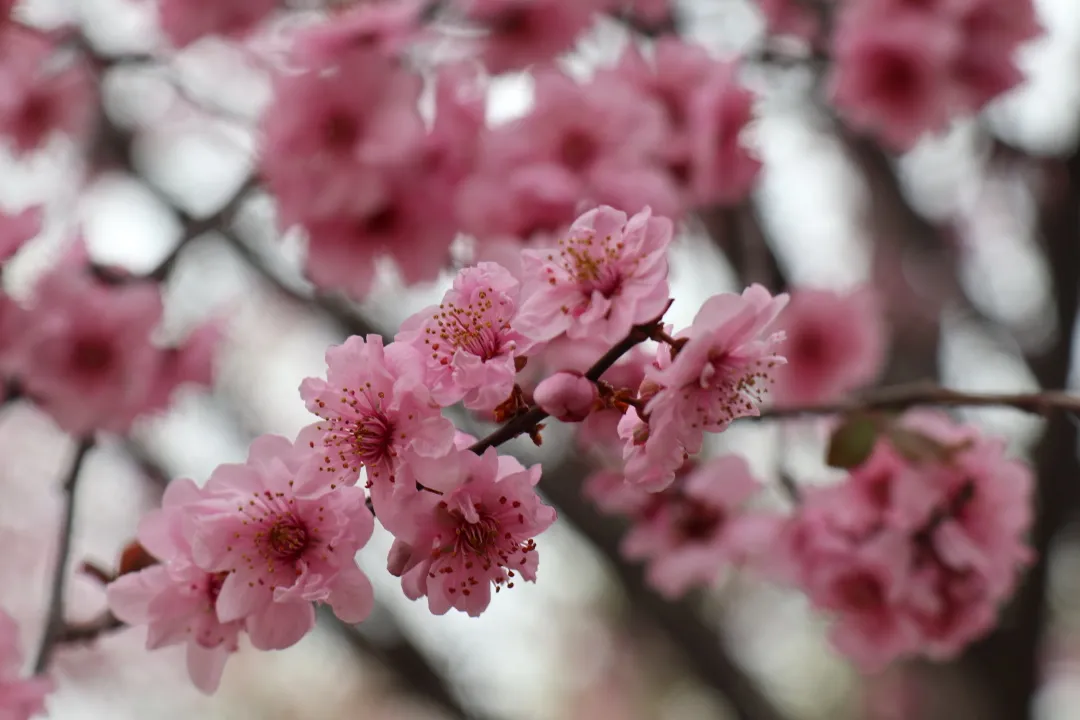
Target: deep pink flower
(20, 698)
(691, 533)
(375, 410)
(84, 351)
(286, 537)
(607, 275)
(567, 396)
(992, 32)
(478, 533)
(185, 21)
(835, 343)
(722, 371)
(177, 599)
(37, 97)
(467, 343)
(17, 229)
(523, 32)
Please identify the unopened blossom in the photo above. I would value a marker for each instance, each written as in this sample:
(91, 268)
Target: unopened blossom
(185, 21)
(176, 599)
(16, 229)
(723, 368)
(375, 409)
(475, 532)
(284, 536)
(567, 396)
(519, 33)
(41, 95)
(467, 343)
(606, 275)
(84, 352)
(21, 698)
(835, 343)
(690, 533)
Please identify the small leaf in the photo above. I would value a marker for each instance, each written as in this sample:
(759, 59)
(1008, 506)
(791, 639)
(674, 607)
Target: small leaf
(852, 442)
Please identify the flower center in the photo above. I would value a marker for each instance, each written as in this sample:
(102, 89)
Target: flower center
(475, 328)
(698, 522)
(287, 539)
(593, 264)
(92, 355)
(578, 150)
(479, 537)
(214, 581)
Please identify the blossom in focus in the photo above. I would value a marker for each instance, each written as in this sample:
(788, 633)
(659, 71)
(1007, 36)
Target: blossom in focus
(691, 532)
(652, 452)
(83, 351)
(375, 410)
(608, 274)
(519, 33)
(16, 229)
(20, 698)
(567, 396)
(177, 599)
(285, 536)
(467, 343)
(185, 21)
(474, 532)
(835, 343)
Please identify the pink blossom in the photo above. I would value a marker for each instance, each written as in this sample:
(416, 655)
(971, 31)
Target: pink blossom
(386, 26)
(177, 599)
(523, 32)
(375, 410)
(286, 537)
(608, 274)
(38, 98)
(610, 492)
(468, 344)
(185, 21)
(20, 698)
(18, 229)
(722, 371)
(652, 452)
(519, 202)
(477, 533)
(789, 17)
(992, 33)
(84, 351)
(835, 343)
(567, 396)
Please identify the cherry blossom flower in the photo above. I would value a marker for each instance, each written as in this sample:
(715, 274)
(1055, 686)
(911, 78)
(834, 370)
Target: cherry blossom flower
(690, 533)
(83, 351)
(17, 229)
(992, 32)
(177, 599)
(567, 396)
(185, 21)
(386, 26)
(476, 533)
(532, 200)
(723, 369)
(607, 275)
(20, 698)
(652, 452)
(612, 494)
(285, 537)
(835, 343)
(789, 17)
(375, 410)
(523, 32)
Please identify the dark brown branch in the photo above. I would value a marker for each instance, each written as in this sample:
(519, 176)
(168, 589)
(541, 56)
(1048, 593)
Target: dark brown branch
(73, 633)
(54, 620)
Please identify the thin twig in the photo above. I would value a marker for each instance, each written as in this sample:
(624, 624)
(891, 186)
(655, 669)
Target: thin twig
(54, 622)
(88, 631)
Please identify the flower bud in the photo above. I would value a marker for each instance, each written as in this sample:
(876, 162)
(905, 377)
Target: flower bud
(568, 396)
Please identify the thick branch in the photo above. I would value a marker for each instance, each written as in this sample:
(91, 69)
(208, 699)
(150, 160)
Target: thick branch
(54, 621)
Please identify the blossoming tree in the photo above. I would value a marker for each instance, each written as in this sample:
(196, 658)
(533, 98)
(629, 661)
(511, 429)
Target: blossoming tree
(557, 227)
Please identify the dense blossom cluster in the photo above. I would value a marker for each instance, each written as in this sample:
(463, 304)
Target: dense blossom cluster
(570, 211)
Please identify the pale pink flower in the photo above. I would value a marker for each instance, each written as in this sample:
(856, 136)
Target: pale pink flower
(38, 97)
(694, 531)
(607, 275)
(892, 71)
(83, 351)
(375, 410)
(567, 396)
(722, 169)
(20, 698)
(388, 27)
(17, 229)
(177, 599)
(477, 533)
(835, 343)
(723, 370)
(652, 452)
(520, 33)
(185, 21)
(467, 343)
(286, 537)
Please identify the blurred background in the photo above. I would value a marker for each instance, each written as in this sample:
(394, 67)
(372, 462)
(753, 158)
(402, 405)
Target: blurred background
(973, 240)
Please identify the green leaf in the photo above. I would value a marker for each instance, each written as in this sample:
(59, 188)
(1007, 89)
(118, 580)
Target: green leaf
(852, 442)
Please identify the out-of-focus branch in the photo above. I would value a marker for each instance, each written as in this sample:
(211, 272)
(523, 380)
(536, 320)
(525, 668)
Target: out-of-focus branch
(54, 620)
(737, 232)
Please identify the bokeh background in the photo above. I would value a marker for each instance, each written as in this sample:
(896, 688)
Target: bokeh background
(973, 240)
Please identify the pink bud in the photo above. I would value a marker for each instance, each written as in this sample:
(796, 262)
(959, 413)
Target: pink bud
(568, 396)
